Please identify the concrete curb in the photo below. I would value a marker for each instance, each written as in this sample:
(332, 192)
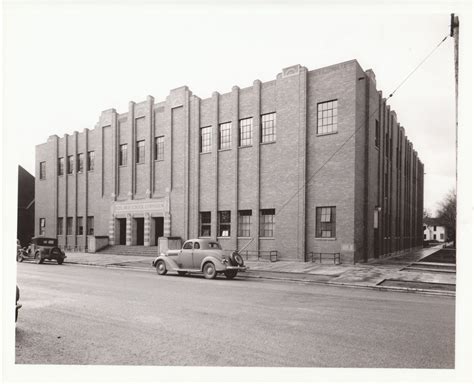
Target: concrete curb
(251, 275)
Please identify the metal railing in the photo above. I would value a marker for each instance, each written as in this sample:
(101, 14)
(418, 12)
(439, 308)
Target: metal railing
(320, 256)
(258, 255)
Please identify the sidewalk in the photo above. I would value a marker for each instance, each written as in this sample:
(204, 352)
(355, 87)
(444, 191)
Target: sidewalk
(391, 273)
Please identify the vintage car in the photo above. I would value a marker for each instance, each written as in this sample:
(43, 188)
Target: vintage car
(18, 306)
(41, 249)
(200, 256)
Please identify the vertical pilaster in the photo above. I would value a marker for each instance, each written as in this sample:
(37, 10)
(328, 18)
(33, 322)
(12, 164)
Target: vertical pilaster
(235, 147)
(195, 149)
(76, 162)
(150, 148)
(128, 230)
(257, 90)
(131, 149)
(302, 132)
(86, 180)
(167, 225)
(112, 230)
(215, 155)
(66, 186)
(146, 230)
(187, 151)
(55, 185)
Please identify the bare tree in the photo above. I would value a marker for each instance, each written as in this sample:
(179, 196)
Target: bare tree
(426, 214)
(447, 215)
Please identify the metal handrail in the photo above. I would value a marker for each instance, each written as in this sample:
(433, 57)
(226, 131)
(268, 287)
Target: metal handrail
(336, 257)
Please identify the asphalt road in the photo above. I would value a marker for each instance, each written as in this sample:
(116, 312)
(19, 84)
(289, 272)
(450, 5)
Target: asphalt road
(85, 315)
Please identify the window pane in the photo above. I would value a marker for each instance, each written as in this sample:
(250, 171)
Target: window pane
(245, 132)
(327, 117)
(225, 135)
(205, 139)
(268, 129)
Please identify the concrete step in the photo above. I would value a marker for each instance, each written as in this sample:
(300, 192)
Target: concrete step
(132, 250)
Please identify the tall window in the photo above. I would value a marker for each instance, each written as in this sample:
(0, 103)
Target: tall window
(69, 226)
(70, 164)
(42, 226)
(123, 154)
(327, 117)
(244, 223)
(205, 140)
(160, 148)
(268, 128)
(90, 160)
(61, 166)
(60, 229)
(267, 222)
(205, 224)
(225, 135)
(43, 170)
(223, 224)
(90, 225)
(80, 226)
(377, 134)
(245, 132)
(140, 155)
(326, 222)
(80, 162)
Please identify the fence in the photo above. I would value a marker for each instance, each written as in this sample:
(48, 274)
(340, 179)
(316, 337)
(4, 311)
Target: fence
(315, 256)
(264, 255)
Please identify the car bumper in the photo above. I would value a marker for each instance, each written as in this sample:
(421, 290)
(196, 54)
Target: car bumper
(232, 268)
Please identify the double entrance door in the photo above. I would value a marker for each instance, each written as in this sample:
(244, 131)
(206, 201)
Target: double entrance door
(138, 230)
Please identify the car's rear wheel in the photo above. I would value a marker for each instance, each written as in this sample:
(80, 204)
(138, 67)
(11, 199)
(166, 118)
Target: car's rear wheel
(60, 261)
(230, 274)
(209, 270)
(161, 267)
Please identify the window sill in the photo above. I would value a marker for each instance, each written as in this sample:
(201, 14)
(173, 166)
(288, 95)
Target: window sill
(122, 165)
(223, 237)
(205, 153)
(245, 146)
(244, 237)
(268, 142)
(326, 238)
(143, 163)
(158, 160)
(266, 238)
(224, 149)
(326, 133)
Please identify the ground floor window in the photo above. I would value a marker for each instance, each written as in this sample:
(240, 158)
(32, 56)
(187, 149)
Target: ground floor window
(424, 236)
(244, 223)
(434, 236)
(60, 226)
(205, 224)
(80, 226)
(441, 236)
(267, 222)
(69, 226)
(42, 226)
(223, 225)
(326, 222)
(90, 225)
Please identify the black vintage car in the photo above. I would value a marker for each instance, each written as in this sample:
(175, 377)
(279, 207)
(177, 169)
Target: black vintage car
(41, 249)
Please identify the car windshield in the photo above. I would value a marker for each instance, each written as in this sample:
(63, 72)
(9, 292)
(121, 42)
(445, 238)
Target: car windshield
(213, 245)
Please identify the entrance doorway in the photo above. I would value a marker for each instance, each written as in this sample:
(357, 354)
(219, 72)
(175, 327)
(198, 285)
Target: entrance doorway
(158, 228)
(122, 224)
(140, 225)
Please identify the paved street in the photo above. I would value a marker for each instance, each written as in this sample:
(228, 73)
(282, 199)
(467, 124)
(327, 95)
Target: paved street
(92, 315)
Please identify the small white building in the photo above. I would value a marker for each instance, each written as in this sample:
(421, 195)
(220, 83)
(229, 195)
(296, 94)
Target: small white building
(433, 231)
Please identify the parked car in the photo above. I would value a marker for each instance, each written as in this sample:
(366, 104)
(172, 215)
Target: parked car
(18, 306)
(41, 249)
(200, 256)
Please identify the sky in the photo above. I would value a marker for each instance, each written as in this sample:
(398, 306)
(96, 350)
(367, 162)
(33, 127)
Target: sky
(64, 63)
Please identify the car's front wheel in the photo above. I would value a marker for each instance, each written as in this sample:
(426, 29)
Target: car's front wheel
(161, 267)
(230, 274)
(38, 258)
(209, 270)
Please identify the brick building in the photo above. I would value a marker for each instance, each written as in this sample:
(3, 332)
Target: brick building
(313, 161)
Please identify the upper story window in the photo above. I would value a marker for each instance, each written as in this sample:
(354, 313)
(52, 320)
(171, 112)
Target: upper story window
(42, 170)
(69, 226)
(140, 155)
(205, 144)
(80, 226)
(123, 154)
(223, 225)
(70, 164)
(60, 225)
(80, 162)
(245, 132)
(244, 223)
(327, 117)
(326, 222)
(267, 222)
(225, 135)
(90, 160)
(377, 134)
(205, 224)
(61, 166)
(268, 128)
(160, 148)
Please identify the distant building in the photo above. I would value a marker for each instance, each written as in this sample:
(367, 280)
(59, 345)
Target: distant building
(432, 230)
(313, 161)
(26, 206)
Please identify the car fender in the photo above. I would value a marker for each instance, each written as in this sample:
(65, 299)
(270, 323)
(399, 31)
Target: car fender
(220, 267)
(169, 262)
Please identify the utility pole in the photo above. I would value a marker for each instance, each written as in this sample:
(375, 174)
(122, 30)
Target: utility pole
(455, 35)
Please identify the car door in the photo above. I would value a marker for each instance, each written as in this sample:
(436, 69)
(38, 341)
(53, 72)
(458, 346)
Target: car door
(198, 255)
(185, 260)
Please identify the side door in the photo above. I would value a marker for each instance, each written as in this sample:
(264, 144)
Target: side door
(185, 260)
